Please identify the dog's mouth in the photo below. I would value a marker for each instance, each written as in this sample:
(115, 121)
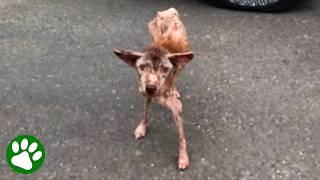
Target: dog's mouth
(149, 95)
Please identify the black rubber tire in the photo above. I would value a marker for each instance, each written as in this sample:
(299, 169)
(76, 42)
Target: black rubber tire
(278, 6)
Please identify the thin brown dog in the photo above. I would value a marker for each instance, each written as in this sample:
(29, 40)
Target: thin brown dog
(157, 67)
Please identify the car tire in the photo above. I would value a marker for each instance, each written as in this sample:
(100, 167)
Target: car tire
(255, 5)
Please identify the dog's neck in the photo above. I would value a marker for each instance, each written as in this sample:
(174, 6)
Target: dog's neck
(168, 89)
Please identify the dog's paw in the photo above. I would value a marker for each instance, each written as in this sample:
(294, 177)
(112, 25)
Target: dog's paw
(140, 131)
(183, 162)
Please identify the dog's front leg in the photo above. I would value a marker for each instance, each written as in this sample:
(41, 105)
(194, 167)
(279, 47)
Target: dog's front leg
(175, 105)
(141, 129)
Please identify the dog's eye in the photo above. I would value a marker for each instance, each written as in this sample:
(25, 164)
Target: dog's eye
(143, 67)
(164, 69)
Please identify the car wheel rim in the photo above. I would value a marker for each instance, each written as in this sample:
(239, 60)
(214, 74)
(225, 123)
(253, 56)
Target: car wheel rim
(253, 3)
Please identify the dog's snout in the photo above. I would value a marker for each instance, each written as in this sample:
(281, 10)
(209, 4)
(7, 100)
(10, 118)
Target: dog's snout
(151, 89)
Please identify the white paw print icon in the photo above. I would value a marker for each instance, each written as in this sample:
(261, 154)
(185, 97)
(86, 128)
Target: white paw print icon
(28, 155)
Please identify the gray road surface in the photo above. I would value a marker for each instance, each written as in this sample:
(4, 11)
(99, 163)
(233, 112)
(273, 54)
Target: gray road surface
(251, 96)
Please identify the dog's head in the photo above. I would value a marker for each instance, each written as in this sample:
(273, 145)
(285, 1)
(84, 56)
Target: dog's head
(154, 66)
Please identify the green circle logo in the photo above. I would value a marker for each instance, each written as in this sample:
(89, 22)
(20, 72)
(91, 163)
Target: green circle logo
(25, 154)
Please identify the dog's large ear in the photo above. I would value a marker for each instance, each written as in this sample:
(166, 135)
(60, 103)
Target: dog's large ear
(130, 57)
(180, 59)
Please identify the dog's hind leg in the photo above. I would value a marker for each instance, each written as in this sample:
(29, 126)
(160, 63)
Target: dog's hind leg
(141, 129)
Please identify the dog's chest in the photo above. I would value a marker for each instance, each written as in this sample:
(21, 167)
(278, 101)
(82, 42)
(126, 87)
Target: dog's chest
(160, 100)
(164, 100)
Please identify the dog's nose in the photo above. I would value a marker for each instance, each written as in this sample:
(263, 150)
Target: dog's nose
(151, 89)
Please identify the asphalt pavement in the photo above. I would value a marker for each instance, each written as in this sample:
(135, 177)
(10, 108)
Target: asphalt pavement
(251, 95)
